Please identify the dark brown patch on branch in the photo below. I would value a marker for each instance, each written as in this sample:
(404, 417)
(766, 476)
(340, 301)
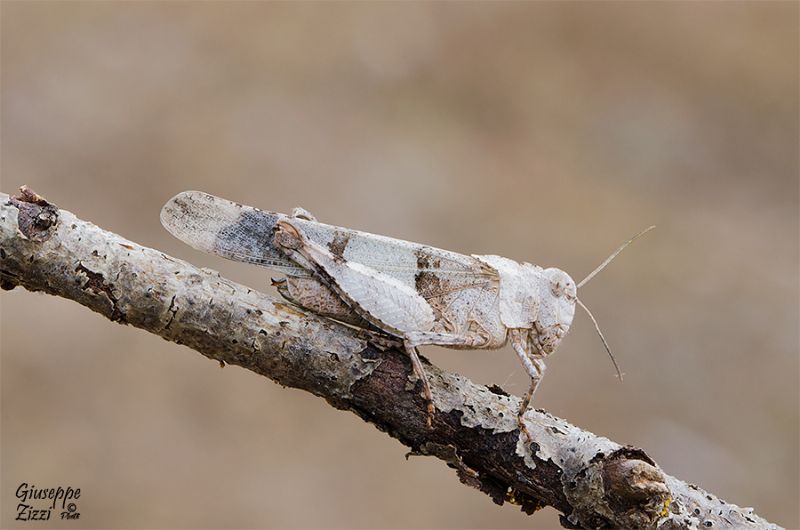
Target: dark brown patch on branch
(497, 389)
(36, 216)
(97, 284)
(5, 283)
(500, 472)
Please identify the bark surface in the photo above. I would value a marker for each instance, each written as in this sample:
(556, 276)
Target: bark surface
(593, 481)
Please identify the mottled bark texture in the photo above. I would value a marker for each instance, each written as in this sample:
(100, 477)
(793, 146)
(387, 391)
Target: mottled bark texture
(593, 481)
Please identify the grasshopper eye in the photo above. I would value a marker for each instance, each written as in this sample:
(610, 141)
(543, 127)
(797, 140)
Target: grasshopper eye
(561, 285)
(557, 287)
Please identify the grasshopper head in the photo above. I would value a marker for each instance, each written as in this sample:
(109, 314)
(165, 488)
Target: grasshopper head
(558, 295)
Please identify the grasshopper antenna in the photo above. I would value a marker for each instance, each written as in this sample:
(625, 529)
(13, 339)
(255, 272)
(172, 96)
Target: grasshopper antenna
(608, 260)
(602, 338)
(592, 275)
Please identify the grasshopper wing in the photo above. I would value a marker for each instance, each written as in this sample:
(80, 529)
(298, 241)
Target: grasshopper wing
(455, 286)
(460, 290)
(228, 229)
(380, 299)
(243, 233)
(431, 271)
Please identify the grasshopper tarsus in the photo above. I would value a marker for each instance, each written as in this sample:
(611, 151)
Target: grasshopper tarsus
(429, 418)
(523, 408)
(525, 432)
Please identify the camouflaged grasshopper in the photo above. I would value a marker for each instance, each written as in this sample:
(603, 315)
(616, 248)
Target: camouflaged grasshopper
(419, 294)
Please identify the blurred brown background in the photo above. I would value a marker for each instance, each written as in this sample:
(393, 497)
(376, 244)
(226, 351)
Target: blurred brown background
(543, 132)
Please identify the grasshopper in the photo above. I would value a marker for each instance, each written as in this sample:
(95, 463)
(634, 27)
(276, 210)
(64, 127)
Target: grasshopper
(415, 293)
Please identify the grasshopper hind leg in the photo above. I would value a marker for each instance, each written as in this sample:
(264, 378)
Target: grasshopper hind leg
(420, 373)
(313, 295)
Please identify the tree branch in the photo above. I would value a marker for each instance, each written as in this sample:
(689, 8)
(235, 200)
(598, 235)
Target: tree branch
(593, 481)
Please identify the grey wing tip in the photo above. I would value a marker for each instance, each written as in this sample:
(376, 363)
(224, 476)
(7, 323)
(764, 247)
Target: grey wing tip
(180, 214)
(183, 205)
(197, 218)
(175, 208)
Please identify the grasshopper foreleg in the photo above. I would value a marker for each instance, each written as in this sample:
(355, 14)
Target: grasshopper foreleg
(534, 365)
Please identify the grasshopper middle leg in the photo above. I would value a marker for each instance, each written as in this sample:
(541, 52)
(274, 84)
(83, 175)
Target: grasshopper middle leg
(416, 364)
(417, 338)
